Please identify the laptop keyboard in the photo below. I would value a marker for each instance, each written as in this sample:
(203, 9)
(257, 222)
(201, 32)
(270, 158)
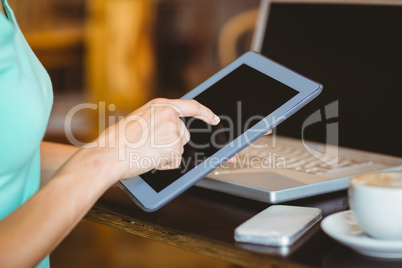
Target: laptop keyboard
(294, 158)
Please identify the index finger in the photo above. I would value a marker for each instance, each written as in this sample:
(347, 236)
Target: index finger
(195, 109)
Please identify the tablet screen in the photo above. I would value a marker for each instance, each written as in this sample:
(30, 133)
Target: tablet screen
(241, 99)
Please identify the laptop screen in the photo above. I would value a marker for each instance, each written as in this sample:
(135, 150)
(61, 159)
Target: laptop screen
(355, 51)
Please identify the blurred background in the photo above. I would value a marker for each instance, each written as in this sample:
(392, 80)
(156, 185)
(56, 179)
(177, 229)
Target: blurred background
(124, 53)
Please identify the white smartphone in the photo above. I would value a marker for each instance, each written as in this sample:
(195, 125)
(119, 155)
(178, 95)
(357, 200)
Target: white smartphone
(278, 225)
(251, 96)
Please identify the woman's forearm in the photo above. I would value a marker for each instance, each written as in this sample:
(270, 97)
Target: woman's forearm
(32, 231)
(37, 227)
(53, 156)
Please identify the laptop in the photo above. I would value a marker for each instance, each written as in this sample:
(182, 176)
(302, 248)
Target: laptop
(354, 49)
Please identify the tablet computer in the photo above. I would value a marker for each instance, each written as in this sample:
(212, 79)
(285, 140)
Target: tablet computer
(251, 96)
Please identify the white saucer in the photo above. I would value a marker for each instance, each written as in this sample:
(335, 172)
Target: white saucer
(342, 228)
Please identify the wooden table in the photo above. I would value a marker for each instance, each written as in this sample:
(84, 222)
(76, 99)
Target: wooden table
(203, 221)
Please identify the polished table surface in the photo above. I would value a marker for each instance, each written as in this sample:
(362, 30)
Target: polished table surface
(203, 221)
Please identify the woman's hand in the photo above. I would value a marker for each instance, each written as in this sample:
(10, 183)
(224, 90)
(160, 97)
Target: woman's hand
(152, 136)
(153, 132)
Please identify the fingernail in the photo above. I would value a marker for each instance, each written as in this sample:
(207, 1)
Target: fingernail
(217, 119)
(232, 159)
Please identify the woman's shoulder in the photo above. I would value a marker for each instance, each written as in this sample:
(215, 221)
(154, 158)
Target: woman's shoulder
(7, 25)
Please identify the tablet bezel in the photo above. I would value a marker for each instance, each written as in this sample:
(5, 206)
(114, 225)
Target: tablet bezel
(150, 200)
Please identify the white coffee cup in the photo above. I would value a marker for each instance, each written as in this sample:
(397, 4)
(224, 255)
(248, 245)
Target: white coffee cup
(375, 200)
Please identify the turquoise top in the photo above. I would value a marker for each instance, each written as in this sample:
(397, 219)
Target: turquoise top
(26, 100)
